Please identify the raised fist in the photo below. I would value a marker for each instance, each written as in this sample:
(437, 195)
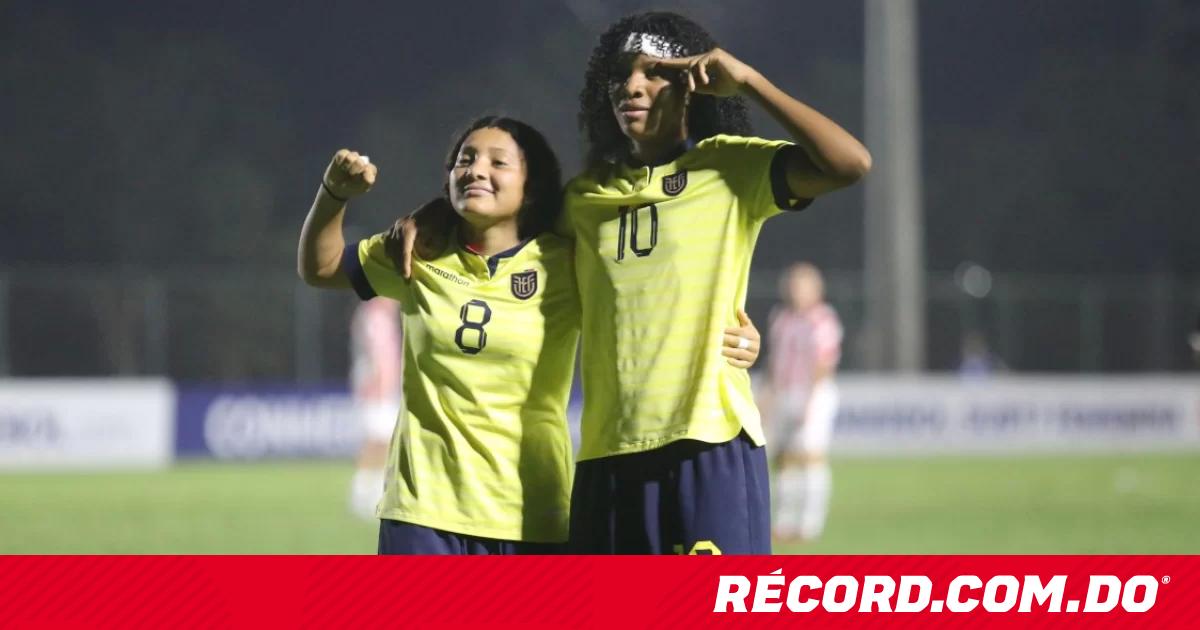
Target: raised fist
(349, 174)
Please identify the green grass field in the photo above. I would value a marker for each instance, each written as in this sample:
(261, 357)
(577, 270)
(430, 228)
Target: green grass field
(1043, 504)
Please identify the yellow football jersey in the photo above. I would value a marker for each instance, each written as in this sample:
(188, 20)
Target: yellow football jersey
(482, 446)
(662, 260)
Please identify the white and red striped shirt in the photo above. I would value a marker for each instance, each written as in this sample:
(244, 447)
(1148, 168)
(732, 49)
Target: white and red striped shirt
(799, 342)
(377, 357)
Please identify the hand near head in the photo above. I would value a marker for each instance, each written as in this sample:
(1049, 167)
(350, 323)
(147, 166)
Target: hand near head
(742, 343)
(715, 72)
(349, 174)
(425, 233)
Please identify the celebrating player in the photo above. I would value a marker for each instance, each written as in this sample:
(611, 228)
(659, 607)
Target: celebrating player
(665, 219)
(805, 339)
(480, 463)
(375, 368)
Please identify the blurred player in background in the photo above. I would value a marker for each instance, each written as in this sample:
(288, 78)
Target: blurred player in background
(800, 401)
(375, 372)
(977, 361)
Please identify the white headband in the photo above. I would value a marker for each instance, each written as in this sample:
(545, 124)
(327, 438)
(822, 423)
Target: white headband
(653, 45)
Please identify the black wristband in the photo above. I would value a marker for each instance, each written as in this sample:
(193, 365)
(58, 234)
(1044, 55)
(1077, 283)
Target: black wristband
(330, 192)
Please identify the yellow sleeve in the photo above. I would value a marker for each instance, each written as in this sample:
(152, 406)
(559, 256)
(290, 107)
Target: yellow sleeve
(371, 271)
(757, 170)
(563, 226)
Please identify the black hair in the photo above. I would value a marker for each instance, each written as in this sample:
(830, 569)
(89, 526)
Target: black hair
(707, 115)
(542, 200)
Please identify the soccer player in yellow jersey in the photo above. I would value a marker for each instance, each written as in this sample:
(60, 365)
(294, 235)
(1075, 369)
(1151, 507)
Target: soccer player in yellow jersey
(665, 218)
(480, 462)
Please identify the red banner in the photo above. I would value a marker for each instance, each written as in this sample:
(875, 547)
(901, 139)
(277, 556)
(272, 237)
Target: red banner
(598, 592)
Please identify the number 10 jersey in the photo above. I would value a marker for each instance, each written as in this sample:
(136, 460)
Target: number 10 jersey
(482, 446)
(662, 260)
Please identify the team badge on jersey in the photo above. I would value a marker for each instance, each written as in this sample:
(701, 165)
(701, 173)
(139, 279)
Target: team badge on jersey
(674, 184)
(524, 284)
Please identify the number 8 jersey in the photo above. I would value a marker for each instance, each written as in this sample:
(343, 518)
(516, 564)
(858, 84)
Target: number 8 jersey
(482, 446)
(662, 259)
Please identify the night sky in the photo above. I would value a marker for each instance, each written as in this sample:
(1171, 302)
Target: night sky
(283, 85)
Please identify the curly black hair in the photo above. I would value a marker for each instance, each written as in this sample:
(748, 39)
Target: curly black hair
(542, 201)
(707, 115)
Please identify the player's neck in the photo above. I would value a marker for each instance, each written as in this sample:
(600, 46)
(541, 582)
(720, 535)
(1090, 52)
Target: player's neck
(492, 239)
(658, 150)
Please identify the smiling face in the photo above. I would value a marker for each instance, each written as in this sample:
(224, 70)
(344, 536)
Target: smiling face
(649, 106)
(487, 182)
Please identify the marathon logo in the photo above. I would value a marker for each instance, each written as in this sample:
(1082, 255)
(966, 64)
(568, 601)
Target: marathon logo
(447, 275)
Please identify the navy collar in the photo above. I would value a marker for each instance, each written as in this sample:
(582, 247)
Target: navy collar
(493, 261)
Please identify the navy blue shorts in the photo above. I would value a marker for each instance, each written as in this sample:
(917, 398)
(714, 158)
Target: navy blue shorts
(399, 538)
(687, 497)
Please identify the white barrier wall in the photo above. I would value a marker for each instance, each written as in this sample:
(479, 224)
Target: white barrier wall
(880, 415)
(114, 423)
(93, 423)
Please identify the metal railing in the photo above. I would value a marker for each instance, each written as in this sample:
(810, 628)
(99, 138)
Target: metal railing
(238, 324)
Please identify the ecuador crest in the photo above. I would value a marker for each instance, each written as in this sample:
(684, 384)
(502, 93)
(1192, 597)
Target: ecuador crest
(524, 284)
(674, 184)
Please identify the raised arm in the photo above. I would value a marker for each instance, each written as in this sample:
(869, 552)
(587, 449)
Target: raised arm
(831, 157)
(319, 256)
